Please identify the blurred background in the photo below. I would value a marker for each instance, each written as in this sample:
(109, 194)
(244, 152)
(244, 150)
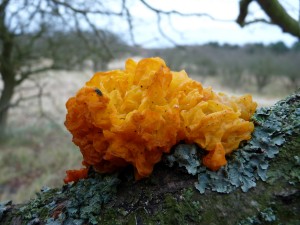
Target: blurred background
(50, 48)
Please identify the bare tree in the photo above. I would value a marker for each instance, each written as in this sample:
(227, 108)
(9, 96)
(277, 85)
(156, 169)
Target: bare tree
(32, 29)
(290, 68)
(263, 67)
(35, 29)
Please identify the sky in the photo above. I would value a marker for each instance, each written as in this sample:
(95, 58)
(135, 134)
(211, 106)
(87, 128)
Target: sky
(201, 30)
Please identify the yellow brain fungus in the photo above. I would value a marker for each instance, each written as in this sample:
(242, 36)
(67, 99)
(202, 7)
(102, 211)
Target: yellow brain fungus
(135, 115)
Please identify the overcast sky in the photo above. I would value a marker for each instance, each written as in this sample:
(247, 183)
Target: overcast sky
(199, 30)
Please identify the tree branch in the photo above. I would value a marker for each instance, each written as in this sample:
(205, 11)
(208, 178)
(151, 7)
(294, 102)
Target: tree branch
(275, 12)
(97, 33)
(256, 21)
(244, 4)
(175, 12)
(26, 74)
(85, 11)
(129, 21)
(17, 102)
(169, 196)
(280, 17)
(160, 12)
(162, 33)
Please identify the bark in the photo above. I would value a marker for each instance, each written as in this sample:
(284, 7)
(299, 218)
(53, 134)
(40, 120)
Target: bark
(275, 12)
(169, 195)
(6, 94)
(5, 100)
(280, 17)
(6, 68)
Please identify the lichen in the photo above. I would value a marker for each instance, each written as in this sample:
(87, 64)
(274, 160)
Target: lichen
(79, 203)
(153, 201)
(265, 216)
(186, 156)
(4, 208)
(274, 127)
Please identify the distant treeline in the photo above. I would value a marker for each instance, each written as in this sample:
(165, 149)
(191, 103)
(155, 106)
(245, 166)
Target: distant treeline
(255, 65)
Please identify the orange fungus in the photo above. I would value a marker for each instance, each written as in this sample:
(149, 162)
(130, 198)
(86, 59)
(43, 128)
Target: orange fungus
(133, 116)
(74, 175)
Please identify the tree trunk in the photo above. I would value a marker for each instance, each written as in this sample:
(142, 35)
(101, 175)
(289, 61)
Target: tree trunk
(7, 71)
(5, 101)
(9, 84)
(169, 196)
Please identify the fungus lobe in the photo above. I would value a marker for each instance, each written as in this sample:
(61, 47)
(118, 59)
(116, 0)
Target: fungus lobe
(134, 116)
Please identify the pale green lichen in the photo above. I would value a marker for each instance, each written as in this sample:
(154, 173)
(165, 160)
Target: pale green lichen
(186, 156)
(264, 217)
(273, 127)
(79, 203)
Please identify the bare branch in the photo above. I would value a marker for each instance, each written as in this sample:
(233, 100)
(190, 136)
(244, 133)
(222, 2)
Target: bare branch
(85, 11)
(279, 16)
(129, 21)
(26, 74)
(161, 31)
(160, 12)
(244, 4)
(39, 97)
(175, 12)
(42, 112)
(276, 13)
(257, 21)
(97, 33)
(80, 34)
(171, 25)
(21, 99)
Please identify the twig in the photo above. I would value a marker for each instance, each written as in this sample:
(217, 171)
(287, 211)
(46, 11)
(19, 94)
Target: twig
(129, 21)
(175, 12)
(86, 11)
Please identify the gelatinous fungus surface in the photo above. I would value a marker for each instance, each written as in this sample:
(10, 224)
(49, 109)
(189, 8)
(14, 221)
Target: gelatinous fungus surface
(134, 116)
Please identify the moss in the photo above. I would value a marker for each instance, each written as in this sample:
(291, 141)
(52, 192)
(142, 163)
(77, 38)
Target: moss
(280, 203)
(288, 162)
(110, 217)
(79, 203)
(179, 211)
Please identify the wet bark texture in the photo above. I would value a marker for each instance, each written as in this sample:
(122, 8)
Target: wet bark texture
(170, 197)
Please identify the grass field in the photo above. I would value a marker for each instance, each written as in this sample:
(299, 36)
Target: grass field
(38, 149)
(32, 157)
